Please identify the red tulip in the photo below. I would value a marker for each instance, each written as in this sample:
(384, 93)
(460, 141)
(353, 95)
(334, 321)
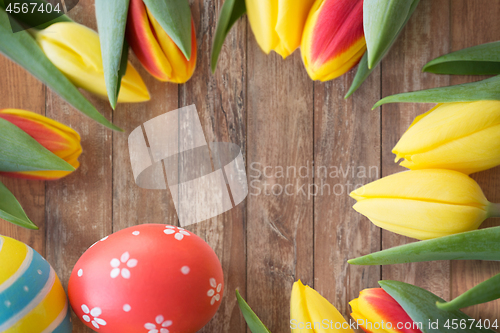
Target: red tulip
(159, 55)
(333, 40)
(56, 137)
(376, 311)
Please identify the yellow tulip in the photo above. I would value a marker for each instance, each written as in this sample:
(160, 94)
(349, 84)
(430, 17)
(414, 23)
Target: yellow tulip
(311, 312)
(425, 204)
(75, 50)
(277, 24)
(458, 136)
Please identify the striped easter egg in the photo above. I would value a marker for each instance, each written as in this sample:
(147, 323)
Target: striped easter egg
(32, 299)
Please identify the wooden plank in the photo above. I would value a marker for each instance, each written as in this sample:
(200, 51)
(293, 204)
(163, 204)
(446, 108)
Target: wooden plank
(425, 37)
(133, 205)
(346, 155)
(280, 225)
(79, 207)
(220, 101)
(20, 90)
(473, 23)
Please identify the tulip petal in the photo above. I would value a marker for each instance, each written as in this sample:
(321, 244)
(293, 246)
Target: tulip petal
(333, 40)
(81, 61)
(174, 16)
(156, 51)
(309, 307)
(21, 48)
(421, 219)
(472, 245)
(278, 25)
(481, 59)
(430, 185)
(485, 90)
(11, 210)
(375, 306)
(453, 136)
(420, 305)
(112, 36)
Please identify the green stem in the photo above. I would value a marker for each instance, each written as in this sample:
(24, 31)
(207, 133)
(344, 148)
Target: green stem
(494, 210)
(486, 291)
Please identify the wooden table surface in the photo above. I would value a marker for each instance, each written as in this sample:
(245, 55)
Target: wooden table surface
(280, 118)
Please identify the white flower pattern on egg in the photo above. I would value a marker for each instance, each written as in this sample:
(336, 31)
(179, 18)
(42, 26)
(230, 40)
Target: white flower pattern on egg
(125, 272)
(160, 325)
(178, 234)
(92, 316)
(215, 291)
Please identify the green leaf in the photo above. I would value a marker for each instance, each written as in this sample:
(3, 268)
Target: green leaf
(11, 210)
(482, 59)
(488, 89)
(20, 152)
(486, 291)
(231, 11)
(21, 48)
(420, 305)
(363, 71)
(36, 18)
(256, 326)
(111, 21)
(174, 16)
(383, 20)
(472, 245)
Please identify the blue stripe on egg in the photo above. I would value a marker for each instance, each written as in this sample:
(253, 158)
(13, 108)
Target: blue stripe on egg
(25, 288)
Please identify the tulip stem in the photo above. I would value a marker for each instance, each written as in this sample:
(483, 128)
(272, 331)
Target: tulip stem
(494, 210)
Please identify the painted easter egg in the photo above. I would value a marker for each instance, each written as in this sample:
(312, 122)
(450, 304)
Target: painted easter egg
(150, 278)
(32, 298)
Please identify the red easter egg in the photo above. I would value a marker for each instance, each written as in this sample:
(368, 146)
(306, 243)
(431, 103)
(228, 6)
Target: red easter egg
(151, 278)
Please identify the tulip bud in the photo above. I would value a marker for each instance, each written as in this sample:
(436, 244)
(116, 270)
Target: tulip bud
(61, 140)
(425, 204)
(376, 311)
(156, 51)
(278, 25)
(333, 41)
(458, 136)
(75, 50)
(309, 312)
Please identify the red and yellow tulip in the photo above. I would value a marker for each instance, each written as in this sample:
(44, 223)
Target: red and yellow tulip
(54, 136)
(278, 24)
(375, 311)
(333, 40)
(156, 51)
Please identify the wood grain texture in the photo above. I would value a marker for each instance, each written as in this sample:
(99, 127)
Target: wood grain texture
(425, 37)
(473, 23)
(282, 121)
(346, 156)
(219, 100)
(280, 225)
